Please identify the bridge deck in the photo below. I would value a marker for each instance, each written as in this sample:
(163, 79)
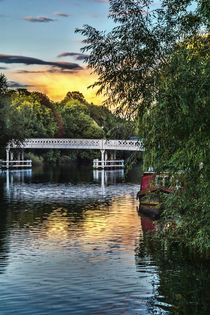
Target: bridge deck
(94, 144)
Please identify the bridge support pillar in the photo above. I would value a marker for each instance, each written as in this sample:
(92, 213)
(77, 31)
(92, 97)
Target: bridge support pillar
(102, 158)
(7, 158)
(11, 155)
(113, 155)
(22, 155)
(105, 155)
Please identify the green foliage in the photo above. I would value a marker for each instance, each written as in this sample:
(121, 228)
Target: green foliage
(77, 122)
(51, 156)
(176, 136)
(75, 95)
(6, 132)
(3, 84)
(127, 58)
(32, 115)
(155, 64)
(4, 106)
(36, 160)
(176, 129)
(114, 126)
(111, 126)
(30, 118)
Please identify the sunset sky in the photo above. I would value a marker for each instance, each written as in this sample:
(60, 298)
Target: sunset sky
(39, 48)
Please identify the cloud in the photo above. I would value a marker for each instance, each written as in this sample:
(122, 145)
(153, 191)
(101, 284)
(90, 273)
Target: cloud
(61, 14)
(47, 71)
(13, 84)
(102, 1)
(34, 61)
(77, 56)
(39, 19)
(96, 15)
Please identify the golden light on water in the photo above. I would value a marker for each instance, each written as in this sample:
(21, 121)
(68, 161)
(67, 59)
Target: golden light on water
(57, 225)
(118, 225)
(95, 227)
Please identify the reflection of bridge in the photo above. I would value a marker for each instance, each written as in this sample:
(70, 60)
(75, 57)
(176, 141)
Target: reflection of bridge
(107, 184)
(81, 144)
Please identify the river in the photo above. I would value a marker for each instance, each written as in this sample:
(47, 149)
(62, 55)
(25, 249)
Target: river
(72, 241)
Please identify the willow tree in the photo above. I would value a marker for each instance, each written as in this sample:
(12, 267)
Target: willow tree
(155, 64)
(129, 58)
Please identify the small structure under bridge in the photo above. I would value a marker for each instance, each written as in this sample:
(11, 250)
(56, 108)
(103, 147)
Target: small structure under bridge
(107, 148)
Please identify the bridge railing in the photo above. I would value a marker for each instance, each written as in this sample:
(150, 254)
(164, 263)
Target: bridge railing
(127, 145)
(100, 144)
(16, 164)
(46, 143)
(108, 163)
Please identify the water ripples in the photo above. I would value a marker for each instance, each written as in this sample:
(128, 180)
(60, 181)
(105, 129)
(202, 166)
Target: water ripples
(73, 248)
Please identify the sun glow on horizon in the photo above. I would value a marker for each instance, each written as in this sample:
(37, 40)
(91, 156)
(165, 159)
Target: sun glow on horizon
(56, 85)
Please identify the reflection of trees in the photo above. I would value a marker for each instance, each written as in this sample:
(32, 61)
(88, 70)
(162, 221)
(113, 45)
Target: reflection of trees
(34, 198)
(183, 284)
(32, 215)
(4, 248)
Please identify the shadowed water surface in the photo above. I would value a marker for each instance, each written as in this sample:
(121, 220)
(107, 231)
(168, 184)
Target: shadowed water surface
(71, 241)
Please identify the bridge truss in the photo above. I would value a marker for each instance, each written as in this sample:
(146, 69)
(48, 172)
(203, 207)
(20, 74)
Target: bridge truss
(103, 145)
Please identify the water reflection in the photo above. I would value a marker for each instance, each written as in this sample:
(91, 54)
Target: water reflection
(73, 241)
(105, 177)
(180, 281)
(4, 246)
(75, 238)
(22, 187)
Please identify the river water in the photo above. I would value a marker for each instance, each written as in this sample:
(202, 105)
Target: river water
(72, 241)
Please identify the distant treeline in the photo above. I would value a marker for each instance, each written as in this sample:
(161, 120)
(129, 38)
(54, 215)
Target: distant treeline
(27, 114)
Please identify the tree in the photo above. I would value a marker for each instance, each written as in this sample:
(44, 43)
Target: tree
(30, 117)
(3, 111)
(155, 64)
(49, 104)
(77, 122)
(176, 134)
(76, 95)
(179, 121)
(6, 133)
(128, 58)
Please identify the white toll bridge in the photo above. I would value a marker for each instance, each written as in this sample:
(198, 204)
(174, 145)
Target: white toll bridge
(103, 145)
